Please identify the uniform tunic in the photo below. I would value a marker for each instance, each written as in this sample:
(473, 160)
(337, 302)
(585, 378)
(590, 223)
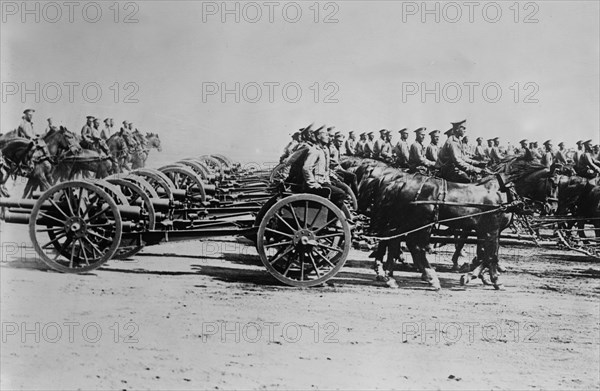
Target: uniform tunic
(432, 151)
(417, 157)
(25, 129)
(350, 147)
(452, 162)
(402, 153)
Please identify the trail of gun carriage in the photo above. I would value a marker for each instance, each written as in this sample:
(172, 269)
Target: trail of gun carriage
(91, 203)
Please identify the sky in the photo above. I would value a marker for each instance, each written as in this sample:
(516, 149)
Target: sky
(512, 69)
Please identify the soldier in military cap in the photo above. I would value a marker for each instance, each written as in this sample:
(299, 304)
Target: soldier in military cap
(402, 150)
(291, 146)
(495, 154)
(561, 154)
(360, 145)
(548, 156)
(369, 145)
(416, 158)
(431, 153)
(378, 145)
(454, 166)
(106, 131)
(50, 127)
(350, 144)
(578, 153)
(87, 133)
(488, 149)
(589, 166)
(480, 151)
(25, 128)
(535, 151)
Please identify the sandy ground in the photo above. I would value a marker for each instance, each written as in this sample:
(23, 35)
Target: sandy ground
(205, 315)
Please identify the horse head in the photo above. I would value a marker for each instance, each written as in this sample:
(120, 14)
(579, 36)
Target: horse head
(154, 141)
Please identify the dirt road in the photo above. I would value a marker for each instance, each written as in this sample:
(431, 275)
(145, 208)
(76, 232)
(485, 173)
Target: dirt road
(205, 315)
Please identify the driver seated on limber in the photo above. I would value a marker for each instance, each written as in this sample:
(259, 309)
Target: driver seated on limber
(315, 171)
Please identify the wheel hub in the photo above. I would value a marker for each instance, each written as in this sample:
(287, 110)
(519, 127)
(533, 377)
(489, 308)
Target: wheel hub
(303, 237)
(76, 226)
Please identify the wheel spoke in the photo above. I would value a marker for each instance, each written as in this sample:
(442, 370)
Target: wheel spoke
(100, 236)
(56, 239)
(62, 248)
(85, 257)
(326, 224)
(324, 257)
(52, 217)
(284, 253)
(316, 216)
(302, 266)
(314, 264)
(305, 213)
(80, 199)
(294, 214)
(103, 209)
(330, 235)
(58, 208)
(329, 247)
(72, 255)
(278, 244)
(94, 247)
(68, 200)
(50, 229)
(279, 232)
(285, 222)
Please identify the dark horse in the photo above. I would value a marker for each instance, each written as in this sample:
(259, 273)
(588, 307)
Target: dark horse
(18, 151)
(84, 162)
(580, 197)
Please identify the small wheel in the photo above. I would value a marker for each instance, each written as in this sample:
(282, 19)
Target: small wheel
(184, 178)
(303, 240)
(82, 227)
(136, 196)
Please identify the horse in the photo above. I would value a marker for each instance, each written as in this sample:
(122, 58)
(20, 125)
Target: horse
(580, 197)
(118, 150)
(84, 162)
(147, 142)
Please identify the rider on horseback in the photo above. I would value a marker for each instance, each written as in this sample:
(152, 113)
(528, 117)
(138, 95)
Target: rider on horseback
(589, 166)
(90, 134)
(452, 162)
(37, 150)
(417, 161)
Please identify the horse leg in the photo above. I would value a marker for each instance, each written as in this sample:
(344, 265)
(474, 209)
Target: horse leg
(418, 248)
(378, 254)
(458, 250)
(491, 247)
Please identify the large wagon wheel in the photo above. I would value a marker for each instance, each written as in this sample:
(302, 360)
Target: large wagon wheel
(303, 240)
(161, 183)
(197, 167)
(225, 162)
(214, 164)
(208, 173)
(136, 195)
(82, 227)
(143, 184)
(184, 178)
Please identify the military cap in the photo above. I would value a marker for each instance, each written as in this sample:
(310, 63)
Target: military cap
(479, 139)
(28, 110)
(524, 141)
(496, 139)
(490, 139)
(125, 122)
(434, 132)
(449, 131)
(362, 134)
(351, 132)
(547, 142)
(579, 142)
(587, 142)
(420, 130)
(370, 133)
(322, 127)
(382, 131)
(458, 124)
(106, 119)
(403, 130)
(339, 135)
(91, 117)
(330, 129)
(561, 144)
(49, 119)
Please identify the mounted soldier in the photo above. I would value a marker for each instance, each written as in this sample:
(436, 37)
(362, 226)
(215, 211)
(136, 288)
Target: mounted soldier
(495, 154)
(452, 163)
(360, 145)
(417, 162)
(402, 150)
(25, 128)
(378, 145)
(107, 130)
(480, 151)
(350, 144)
(548, 156)
(589, 166)
(368, 150)
(433, 149)
(291, 146)
(561, 155)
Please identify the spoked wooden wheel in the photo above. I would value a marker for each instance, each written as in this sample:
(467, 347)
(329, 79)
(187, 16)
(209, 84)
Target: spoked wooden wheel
(303, 240)
(136, 196)
(75, 227)
(185, 178)
(197, 167)
(161, 183)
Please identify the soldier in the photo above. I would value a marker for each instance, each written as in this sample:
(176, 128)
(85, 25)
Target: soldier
(480, 151)
(350, 144)
(548, 156)
(416, 158)
(50, 127)
(488, 149)
(454, 166)
(561, 155)
(387, 151)
(369, 151)
(578, 153)
(106, 131)
(535, 152)
(466, 146)
(99, 144)
(360, 145)
(316, 171)
(87, 133)
(495, 154)
(378, 145)
(291, 146)
(433, 149)
(25, 129)
(525, 152)
(402, 149)
(589, 166)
